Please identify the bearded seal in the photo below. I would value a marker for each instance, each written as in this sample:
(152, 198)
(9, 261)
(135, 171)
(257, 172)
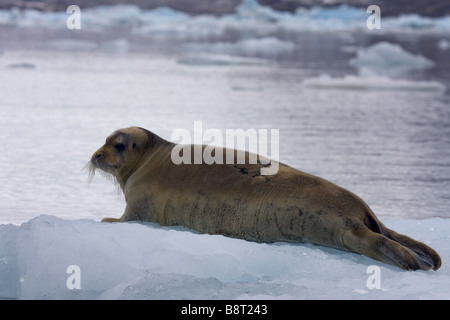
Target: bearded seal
(235, 200)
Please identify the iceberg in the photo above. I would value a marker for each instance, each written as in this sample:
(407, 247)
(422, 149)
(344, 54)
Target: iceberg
(380, 67)
(52, 258)
(389, 59)
(249, 15)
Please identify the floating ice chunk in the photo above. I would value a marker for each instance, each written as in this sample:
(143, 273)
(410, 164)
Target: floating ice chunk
(340, 17)
(72, 44)
(342, 13)
(266, 47)
(164, 22)
(442, 23)
(252, 10)
(7, 17)
(116, 15)
(118, 46)
(389, 59)
(443, 44)
(376, 64)
(373, 82)
(32, 18)
(167, 23)
(203, 59)
(409, 22)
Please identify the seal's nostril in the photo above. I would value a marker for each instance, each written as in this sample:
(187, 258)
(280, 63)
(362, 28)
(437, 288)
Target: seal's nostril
(96, 156)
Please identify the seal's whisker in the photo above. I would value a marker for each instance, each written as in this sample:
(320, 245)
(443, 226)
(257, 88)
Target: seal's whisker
(108, 176)
(89, 169)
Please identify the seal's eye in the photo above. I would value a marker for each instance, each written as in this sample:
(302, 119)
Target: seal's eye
(120, 147)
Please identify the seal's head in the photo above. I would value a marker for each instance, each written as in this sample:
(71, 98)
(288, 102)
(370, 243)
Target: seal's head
(121, 152)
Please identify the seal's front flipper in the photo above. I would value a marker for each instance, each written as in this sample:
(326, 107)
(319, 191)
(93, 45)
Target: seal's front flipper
(111, 220)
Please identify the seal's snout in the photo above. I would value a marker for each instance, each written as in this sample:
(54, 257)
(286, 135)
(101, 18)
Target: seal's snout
(99, 156)
(96, 156)
(97, 159)
(105, 160)
(94, 159)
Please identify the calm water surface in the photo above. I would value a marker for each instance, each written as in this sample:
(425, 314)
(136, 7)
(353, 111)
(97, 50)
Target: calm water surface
(57, 106)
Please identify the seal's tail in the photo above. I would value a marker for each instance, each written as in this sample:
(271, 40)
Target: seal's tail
(378, 242)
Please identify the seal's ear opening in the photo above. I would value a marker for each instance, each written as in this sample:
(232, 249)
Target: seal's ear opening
(134, 147)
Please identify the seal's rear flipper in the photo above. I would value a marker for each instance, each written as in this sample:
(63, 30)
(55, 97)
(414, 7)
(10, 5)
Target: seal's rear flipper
(419, 249)
(377, 246)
